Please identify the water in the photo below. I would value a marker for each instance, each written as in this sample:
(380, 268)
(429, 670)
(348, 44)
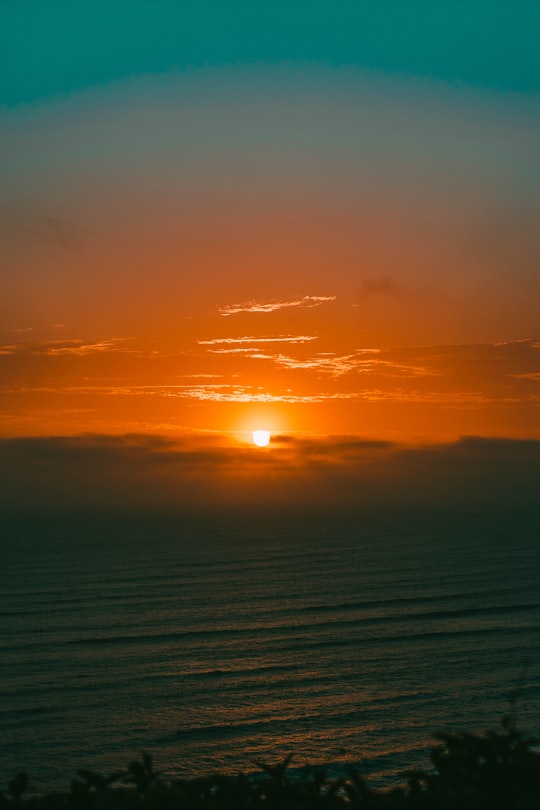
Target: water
(214, 643)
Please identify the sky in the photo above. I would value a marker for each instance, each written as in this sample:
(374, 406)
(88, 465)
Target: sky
(319, 219)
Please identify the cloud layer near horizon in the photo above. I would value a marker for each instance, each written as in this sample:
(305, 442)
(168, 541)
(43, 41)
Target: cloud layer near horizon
(128, 385)
(206, 470)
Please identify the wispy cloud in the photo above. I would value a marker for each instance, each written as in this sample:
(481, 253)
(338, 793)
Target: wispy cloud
(237, 350)
(362, 361)
(491, 362)
(534, 376)
(62, 348)
(201, 376)
(378, 285)
(42, 230)
(253, 339)
(81, 347)
(504, 376)
(221, 392)
(204, 392)
(226, 392)
(57, 231)
(272, 306)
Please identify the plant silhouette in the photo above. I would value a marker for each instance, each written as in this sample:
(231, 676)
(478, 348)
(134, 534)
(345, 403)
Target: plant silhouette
(488, 771)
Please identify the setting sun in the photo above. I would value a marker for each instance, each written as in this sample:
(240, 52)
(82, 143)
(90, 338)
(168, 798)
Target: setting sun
(261, 437)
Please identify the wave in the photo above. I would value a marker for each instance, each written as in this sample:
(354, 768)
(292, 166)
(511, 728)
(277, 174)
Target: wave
(184, 647)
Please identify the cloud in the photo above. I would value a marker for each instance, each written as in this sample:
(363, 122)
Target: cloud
(42, 230)
(379, 285)
(233, 392)
(272, 306)
(253, 339)
(501, 379)
(227, 392)
(533, 375)
(201, 376)
(205, 392)
(11, 348)
(59, 231)
(63, 348)
(361, 361)
(470, 366)
(238, 350)
(212, 469)
(223, 393)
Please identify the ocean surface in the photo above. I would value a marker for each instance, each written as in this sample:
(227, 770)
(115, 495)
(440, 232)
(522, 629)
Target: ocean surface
(217, 642)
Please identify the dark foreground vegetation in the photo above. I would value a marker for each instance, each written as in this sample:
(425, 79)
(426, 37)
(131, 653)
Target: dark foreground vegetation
(468, 772)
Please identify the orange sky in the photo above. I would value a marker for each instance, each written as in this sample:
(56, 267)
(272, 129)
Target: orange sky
(283, 381)
(316, 252)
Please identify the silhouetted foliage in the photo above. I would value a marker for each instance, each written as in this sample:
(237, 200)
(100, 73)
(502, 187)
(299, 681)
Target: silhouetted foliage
(497, 769)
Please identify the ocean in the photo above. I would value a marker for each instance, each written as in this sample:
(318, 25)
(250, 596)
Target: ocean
(221, 641)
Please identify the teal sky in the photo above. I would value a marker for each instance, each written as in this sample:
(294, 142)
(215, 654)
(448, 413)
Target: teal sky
(50, 48)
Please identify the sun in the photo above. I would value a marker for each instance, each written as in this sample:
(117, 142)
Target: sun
(261, 437)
